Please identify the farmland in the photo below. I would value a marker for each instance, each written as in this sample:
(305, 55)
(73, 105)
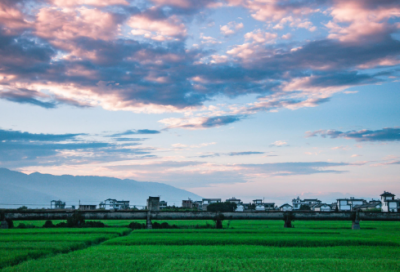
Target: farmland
(241, 246)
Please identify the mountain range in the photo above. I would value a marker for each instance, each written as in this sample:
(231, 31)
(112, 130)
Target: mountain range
(36, 190)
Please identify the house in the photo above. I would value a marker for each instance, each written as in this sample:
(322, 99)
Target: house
(286, 207)
(297, 202)
(389, 204)
(234, 200)
(257, 201)
(372, 205)
(322, 207)
(349, 204)
(87, 207)
(260, 207)
(269, 206)
(113, 204)
(153, 203)
(198, 205)
(57, 204)
(163, 204)
(239, 208)
(247, 206)
(207, 201)
(187, 204)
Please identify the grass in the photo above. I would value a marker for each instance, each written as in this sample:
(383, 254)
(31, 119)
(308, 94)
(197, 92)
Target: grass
(246, 246)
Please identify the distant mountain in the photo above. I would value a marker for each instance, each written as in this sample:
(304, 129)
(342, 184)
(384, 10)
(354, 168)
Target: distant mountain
(37, 190)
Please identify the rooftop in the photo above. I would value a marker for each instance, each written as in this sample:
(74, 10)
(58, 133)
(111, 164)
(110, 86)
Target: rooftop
(387, 194)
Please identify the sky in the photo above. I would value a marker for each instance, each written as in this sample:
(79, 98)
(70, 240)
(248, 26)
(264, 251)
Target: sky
(268, 99)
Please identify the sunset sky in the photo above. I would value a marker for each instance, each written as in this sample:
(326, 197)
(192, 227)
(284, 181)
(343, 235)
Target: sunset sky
(245, 98)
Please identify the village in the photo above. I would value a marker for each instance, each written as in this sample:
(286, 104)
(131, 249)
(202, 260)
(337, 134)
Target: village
(387, 203)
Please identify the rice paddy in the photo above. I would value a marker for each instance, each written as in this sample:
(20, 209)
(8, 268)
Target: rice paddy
(241, 246)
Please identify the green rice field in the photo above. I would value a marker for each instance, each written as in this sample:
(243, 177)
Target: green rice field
(241, 246)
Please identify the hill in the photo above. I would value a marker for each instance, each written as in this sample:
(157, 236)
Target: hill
(37, 190)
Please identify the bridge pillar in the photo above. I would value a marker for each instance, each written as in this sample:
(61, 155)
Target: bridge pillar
(356, 221)
(218, 218)
(148, 221)
(287, 217)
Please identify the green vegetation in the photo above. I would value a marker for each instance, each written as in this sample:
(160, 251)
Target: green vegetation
(17, 245)
(241, 246)
(222, 207)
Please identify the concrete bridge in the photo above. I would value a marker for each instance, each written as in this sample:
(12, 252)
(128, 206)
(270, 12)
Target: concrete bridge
(287, 217)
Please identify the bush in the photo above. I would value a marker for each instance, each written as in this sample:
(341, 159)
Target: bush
(61, 225)
(222, 207)
(48, 224)
(305, 208)
(94, 224)
(76, 220)
(22, 208)
(135, 225)
(164, 225)
(26, 226)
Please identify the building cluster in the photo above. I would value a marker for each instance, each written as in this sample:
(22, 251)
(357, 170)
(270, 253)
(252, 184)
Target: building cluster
(387, 203)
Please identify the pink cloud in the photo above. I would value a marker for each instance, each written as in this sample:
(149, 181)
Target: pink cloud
(59, 25)
(97, 3)
(11, 18)
(157, 29)
(260, 36)
(272, 10)
(356, 21)
(231, 28)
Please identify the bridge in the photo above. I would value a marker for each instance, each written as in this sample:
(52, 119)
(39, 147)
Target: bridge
(287, 217)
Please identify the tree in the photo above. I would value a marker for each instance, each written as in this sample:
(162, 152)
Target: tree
(222, 207)
(48, 224)
(22, 208)
(305, 208)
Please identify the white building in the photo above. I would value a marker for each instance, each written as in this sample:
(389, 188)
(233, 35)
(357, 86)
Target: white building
(348, 204)
(286, 207)
(269, 206)
(207, 201)
(389, 204)
(297, 202)
(113, 204)
(260, 208)
(239, 208)
(323, 207)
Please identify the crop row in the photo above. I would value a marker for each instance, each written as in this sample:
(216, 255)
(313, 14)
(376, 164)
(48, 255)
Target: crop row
(277, 241)
(19, 245)
(238, 258)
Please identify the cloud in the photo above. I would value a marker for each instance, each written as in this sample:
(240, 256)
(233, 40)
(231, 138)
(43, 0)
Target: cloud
(231, 154)
(201, 122)
(365, 135)
(279, 143)
(64, 54)
(230, 28)
(260, 37)
(193, 174)
(245, 153)
(32, 97)
(129, 139)
(21, 149)
(294, 168)
(136, 132)
(153, 24)
(13, 135)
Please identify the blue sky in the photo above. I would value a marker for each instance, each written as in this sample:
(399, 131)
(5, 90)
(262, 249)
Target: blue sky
(244, 98)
